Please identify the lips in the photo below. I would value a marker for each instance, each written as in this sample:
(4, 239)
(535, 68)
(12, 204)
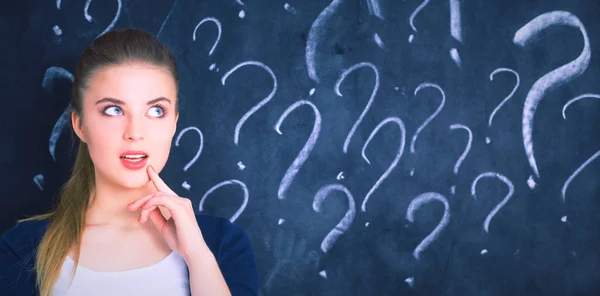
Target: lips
(134, 159)
(133, 154)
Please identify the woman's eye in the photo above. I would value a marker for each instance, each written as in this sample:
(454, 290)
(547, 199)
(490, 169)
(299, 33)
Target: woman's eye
(155, 111)
(112, 108)
(160, 110)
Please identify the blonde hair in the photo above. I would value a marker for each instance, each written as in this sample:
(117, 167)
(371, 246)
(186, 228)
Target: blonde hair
(67, 220)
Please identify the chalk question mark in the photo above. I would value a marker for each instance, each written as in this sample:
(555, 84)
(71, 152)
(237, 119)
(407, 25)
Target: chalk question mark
(455, 26)
(291, 172)
(415, 204)
(224, 183)
(345, 223)
(314, 34)
(455, 19)
(465, 152)
(487, 139)
(371, 99)
(216, 22)
(430, 118)
(511, 190)
(412, 19)
(58, 31)
(51, 75)
(191, 162)
(313, 38)
(588, 161)
(260, 104)
(551, 80)
(400, 124)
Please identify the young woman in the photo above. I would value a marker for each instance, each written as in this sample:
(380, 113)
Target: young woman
(118, 229)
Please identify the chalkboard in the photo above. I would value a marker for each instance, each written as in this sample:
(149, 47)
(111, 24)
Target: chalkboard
(368, 147)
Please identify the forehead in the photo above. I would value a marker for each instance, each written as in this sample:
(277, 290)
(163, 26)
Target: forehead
(131, 83)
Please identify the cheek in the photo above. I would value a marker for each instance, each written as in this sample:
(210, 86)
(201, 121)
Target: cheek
(102, 144)
(159, 138)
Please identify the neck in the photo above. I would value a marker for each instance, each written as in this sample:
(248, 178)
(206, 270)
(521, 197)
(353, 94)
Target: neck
(108, 205)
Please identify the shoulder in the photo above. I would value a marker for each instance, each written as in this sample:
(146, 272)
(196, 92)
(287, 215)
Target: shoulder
(222, 236)
(24, 237)
(233, 250)
(18, 246)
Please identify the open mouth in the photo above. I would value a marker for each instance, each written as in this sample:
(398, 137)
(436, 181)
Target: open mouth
(134, 158)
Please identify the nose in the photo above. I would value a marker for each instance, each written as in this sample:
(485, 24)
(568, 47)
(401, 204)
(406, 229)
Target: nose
(135, 129)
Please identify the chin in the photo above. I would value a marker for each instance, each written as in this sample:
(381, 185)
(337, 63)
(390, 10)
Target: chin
(132, 179)
(133, 182)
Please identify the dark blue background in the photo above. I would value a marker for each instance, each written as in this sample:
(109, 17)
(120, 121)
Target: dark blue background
(537, 244)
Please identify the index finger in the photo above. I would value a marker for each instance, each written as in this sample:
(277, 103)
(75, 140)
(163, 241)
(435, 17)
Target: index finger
(158, 182)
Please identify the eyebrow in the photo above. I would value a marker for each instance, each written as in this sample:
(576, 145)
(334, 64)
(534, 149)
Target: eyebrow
(119, 102)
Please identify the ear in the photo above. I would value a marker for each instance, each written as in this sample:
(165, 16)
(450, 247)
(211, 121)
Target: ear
(76, 121)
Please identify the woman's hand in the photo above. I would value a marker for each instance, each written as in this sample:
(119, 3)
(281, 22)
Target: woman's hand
(181, 231)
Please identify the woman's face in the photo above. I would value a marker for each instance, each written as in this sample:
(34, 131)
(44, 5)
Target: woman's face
(128, 107)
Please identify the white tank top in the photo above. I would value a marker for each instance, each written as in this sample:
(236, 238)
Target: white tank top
(167, 277)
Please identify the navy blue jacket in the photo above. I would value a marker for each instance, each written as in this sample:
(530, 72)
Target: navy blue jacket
(229, 243)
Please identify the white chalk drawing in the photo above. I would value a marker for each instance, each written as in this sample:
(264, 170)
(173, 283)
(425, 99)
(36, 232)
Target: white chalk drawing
(375, 8)
(511, 190)
(432, 116)
(553, 79)
(510, 95)
(589, 160)
(39, 181)
(410, 281)
(263, 102)
(162, 26)
(87, 16)
(415, 204)
(242, 13)
(573, 100)
(51, 75)
(181, 133)
(346, 221)
(579, 169)
(455, 29)
(112, 23)
(411, 20)
(467, 148)
(400, 124)
(455, 26)
(290, 8)
(378, 40)
(314, 37)
(306, 150)
(293, 259)
(455, 57)
(57, 30)
(369, 103)
(455, 22)
(225, 183)
(216, 22)
(186, 185)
